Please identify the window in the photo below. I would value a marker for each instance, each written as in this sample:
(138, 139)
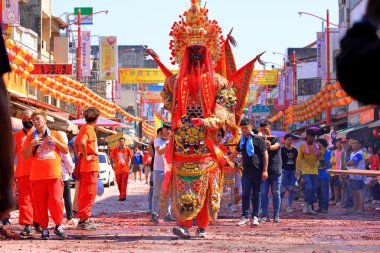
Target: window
(308, 86)
(102, 159)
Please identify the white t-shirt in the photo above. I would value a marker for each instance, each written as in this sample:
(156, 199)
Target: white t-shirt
(66, 160)
(159, 160)
(357, 157)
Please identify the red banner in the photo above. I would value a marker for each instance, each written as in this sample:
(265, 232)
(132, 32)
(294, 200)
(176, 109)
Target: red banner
(53, 69)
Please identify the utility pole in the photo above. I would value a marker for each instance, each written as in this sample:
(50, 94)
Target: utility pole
(328, 109)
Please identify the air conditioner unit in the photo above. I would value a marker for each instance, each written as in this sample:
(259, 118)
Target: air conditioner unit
(43, 45)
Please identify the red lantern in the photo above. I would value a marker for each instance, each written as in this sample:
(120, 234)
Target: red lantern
(11, 56)
(28, 57)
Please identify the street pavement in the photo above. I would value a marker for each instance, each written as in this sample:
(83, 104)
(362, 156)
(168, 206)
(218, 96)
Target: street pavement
(125, 227)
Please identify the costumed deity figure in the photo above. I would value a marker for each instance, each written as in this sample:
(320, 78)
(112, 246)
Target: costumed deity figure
(201, 100)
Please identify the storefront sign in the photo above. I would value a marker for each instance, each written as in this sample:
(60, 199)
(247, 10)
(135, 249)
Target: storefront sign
(353, 120)
(152, 97)
(113, 140)
(142, 76)
(265, 77)
(15, 83)
(108, 58)
(52, 69)
(367, 116)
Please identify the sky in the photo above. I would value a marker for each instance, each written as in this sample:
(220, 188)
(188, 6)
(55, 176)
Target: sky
(259, 25)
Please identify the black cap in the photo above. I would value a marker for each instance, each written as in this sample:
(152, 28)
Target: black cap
(167, 125)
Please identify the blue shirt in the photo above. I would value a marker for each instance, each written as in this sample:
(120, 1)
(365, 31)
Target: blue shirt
(71, 144)
(322, 172)
(137, 157)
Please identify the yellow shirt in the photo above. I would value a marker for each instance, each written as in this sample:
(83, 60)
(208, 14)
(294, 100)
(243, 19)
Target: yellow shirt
(308, 163)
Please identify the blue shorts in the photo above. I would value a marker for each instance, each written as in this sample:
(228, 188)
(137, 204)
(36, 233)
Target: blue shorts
(356, 184)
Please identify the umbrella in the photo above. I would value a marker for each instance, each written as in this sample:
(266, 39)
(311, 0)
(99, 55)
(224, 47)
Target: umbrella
(101, 122)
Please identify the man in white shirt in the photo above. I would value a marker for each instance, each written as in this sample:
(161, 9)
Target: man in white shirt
(67, 169)
(356, 182)
(160, 146)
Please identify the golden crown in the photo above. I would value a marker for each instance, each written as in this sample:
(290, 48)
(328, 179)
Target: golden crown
(194, 28)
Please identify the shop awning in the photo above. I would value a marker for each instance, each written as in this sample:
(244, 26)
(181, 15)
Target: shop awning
(105, 130)
(27, 107)
(102, 122)
(375, 124)
(62, 123)
(343, 133)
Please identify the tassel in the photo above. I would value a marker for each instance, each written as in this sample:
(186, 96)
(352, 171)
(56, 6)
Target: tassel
(260, 60)
(231, 39)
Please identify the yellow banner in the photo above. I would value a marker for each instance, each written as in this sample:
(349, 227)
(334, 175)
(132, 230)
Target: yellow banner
(113, 140)
(251, 97)
(15, 83)
(152, 96)
(142, 76)
(108, 58)
(265, 77)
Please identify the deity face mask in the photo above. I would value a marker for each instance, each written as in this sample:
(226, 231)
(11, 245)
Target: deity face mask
(196, 55)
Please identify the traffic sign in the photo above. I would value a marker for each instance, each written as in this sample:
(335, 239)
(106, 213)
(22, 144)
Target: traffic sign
(260, 109)
(84, 11)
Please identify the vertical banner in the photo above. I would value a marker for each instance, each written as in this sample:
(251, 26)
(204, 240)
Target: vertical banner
(289, 84)
(281, 89)
(86, 53)
(117, 90)
(10, 12)
(108, 69)
(321, 54)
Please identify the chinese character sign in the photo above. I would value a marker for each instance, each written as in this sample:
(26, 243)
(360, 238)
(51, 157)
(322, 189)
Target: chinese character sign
(321, 54)
(86, 53)
(108, 58)
(142, 75)
(153, 97)
(53, 69)
(10, 12)
(265, 77)
(289, 84)
(281, 89)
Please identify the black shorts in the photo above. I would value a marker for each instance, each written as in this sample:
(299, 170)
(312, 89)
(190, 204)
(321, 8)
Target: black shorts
(335, 181)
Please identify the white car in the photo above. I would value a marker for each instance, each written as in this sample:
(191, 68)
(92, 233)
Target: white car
(106, 173)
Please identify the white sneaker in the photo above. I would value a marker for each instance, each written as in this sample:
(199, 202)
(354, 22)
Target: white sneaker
(289, 210)
(244, 221)
(255, 221)
(309, 210)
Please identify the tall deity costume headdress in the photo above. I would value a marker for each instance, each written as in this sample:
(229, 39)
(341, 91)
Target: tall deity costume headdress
(195, 29)
(196, 46)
